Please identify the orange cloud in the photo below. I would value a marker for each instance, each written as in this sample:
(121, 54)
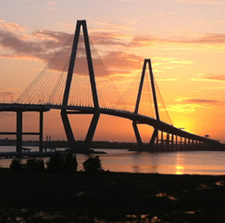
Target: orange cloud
(11, 27)
(43, 44)
(105, 39)
(204, 102)
(205, 77)
(190, 105)
(205, 2)
(210, 39)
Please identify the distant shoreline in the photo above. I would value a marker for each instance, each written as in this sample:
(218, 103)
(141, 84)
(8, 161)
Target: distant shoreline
(105, 145)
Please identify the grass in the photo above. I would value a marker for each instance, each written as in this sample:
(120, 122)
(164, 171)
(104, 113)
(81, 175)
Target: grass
(112, 197)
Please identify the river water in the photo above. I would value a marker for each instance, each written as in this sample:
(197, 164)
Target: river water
(121, 160)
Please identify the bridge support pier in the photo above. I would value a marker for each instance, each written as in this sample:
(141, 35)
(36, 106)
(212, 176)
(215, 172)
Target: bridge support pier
(41, 130)
(185, 142)
(162, 140)
(91, 130)
(172, 141)
(157, 140)
(85, 148)
(152, 143)
(96, 113)
(167, 141)
(181, 143)
(176, 142)
(68, 129)
(153, 139)
(137, 135)
(19, 127)
(19, 131)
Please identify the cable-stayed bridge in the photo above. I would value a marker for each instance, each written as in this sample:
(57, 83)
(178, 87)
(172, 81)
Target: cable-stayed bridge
(76, 81)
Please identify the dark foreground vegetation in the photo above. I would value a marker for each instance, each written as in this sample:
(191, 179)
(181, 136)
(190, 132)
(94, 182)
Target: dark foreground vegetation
(49, 196)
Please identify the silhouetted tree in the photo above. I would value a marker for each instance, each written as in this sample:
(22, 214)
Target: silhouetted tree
(34, 164)
(70, 163)
(60, 164)
(16, 165)
(55, 163)
(93, 165)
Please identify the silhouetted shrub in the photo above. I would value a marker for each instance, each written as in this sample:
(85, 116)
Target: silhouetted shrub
(16, 165)
(34, 164)
(62, 164)
(93, 165)
(70, 163)
(55, 163)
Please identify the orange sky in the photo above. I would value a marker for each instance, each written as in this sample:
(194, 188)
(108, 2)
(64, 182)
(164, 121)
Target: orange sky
(185, 40)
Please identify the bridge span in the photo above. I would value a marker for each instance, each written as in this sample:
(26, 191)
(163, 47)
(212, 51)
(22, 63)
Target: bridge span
(171, 142)
(175, 138)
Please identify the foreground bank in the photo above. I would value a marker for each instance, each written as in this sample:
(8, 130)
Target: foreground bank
(114, 197)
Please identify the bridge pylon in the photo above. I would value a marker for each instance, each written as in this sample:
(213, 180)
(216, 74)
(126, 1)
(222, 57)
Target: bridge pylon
(150, 145)
(95, 111)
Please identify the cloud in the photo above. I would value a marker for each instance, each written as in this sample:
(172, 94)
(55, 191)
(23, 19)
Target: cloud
(205, 2)
(201, 102)
(212, 40)
(196, 2)
(181, 108)
(205, 77)
(207, 38)
(192, 104)
(40, 45)
(216, 78)
(11, 27)
(106, 39)
(123, 60)
(171, 60)
(45, 45)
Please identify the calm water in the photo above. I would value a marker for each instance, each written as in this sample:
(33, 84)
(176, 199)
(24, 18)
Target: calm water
(199, 162)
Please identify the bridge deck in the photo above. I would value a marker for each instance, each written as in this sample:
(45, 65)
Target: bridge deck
(162, 126)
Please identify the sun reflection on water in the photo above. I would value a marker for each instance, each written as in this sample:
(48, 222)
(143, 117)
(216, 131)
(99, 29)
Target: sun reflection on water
(179, 170)
(179, 164)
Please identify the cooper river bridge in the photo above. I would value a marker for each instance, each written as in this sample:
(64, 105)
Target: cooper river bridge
(76, 85)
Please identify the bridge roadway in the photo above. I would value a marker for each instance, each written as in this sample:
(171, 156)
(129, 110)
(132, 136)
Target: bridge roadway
(162, 126)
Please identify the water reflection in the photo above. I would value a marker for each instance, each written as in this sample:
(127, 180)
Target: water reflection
(179, 170)
(121, 160)
(144, 162)
(179, 163)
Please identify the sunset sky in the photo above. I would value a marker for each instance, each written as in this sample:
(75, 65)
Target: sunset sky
(185, 40)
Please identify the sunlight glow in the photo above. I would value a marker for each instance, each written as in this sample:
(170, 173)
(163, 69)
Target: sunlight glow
(179, 170)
